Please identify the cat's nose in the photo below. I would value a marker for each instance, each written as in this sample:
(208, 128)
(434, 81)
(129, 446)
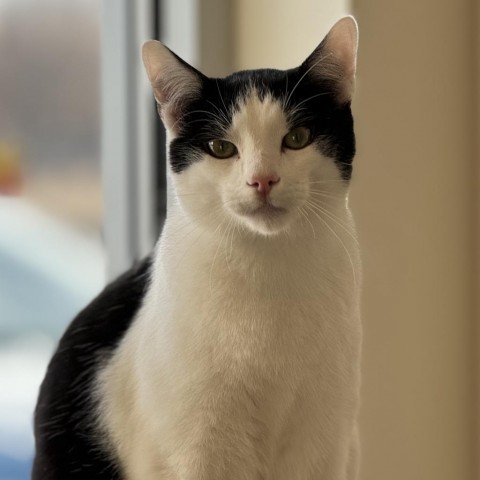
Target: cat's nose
(263, 183)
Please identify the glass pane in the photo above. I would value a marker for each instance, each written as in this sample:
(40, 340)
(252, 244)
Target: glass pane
(51, 256)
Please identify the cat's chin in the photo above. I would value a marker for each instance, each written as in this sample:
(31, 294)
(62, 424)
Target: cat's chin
(265, 219)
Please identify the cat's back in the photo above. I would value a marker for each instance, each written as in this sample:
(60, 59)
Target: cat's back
(65, 446)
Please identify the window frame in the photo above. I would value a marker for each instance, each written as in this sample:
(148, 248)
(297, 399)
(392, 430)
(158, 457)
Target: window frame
(133, 154)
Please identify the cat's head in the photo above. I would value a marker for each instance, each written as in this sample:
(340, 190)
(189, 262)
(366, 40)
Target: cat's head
(259, 148)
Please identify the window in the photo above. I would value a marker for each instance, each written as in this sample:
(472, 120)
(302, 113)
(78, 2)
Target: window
(51, 253)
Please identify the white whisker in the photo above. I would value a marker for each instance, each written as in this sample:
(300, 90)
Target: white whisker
(304, 75)
(305, 216)
(335, 219)
(329, 195)
(339, 239)
(221, 98)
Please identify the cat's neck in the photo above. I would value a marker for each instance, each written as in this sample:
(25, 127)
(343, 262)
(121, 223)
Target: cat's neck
(204, 265)
(185, 242)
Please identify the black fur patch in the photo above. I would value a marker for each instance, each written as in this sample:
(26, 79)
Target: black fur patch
(311, 102)
(64, 436)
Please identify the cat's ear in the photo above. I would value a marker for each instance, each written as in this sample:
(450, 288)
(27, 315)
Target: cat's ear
(335, 59)
(174, 81)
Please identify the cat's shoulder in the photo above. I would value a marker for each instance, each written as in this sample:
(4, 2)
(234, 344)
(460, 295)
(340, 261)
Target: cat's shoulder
(102, 323)
(67, 390)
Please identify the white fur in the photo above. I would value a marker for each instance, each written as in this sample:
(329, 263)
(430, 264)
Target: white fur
(243, 362)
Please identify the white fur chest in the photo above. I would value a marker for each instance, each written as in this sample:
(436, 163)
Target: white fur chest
(250, 334)
(265, 296)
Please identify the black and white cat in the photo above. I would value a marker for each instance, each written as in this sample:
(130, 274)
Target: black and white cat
(233, 352)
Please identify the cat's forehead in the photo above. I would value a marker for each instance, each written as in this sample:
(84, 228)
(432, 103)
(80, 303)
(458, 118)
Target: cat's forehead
(252, 97)
(264, 93)
(262, 84)
(257, 118)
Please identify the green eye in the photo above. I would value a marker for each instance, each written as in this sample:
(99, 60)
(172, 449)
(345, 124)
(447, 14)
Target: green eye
(297, 138)
(221, 148)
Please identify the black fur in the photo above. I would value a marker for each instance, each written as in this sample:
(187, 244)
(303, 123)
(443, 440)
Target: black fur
(312, 102)
(65, 449)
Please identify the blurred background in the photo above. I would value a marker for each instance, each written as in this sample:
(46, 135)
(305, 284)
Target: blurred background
(83, 189)
(52, 260)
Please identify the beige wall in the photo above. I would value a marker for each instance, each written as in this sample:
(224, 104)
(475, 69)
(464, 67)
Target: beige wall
(414, 200)
(280, 33)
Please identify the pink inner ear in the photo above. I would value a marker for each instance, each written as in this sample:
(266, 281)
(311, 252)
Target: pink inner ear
(173, 81)
(335, 58)
(342, 41)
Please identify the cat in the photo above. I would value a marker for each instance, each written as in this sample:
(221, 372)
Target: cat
(233, 351)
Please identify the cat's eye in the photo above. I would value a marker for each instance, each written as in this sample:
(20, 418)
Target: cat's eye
(297, 138)
(221, 148)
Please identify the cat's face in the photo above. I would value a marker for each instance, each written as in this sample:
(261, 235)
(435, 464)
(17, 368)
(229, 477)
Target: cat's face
(259, 149)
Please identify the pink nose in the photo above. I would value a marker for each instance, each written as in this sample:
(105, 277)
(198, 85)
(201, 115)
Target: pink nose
(263, 183)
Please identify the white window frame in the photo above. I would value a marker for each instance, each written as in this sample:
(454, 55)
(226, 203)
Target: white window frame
(130, 150)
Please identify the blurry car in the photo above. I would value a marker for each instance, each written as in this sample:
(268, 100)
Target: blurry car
(48, 272)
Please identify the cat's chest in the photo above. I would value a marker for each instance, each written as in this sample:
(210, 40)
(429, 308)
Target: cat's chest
(247, 324)
(247, 311)
(254, 302)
